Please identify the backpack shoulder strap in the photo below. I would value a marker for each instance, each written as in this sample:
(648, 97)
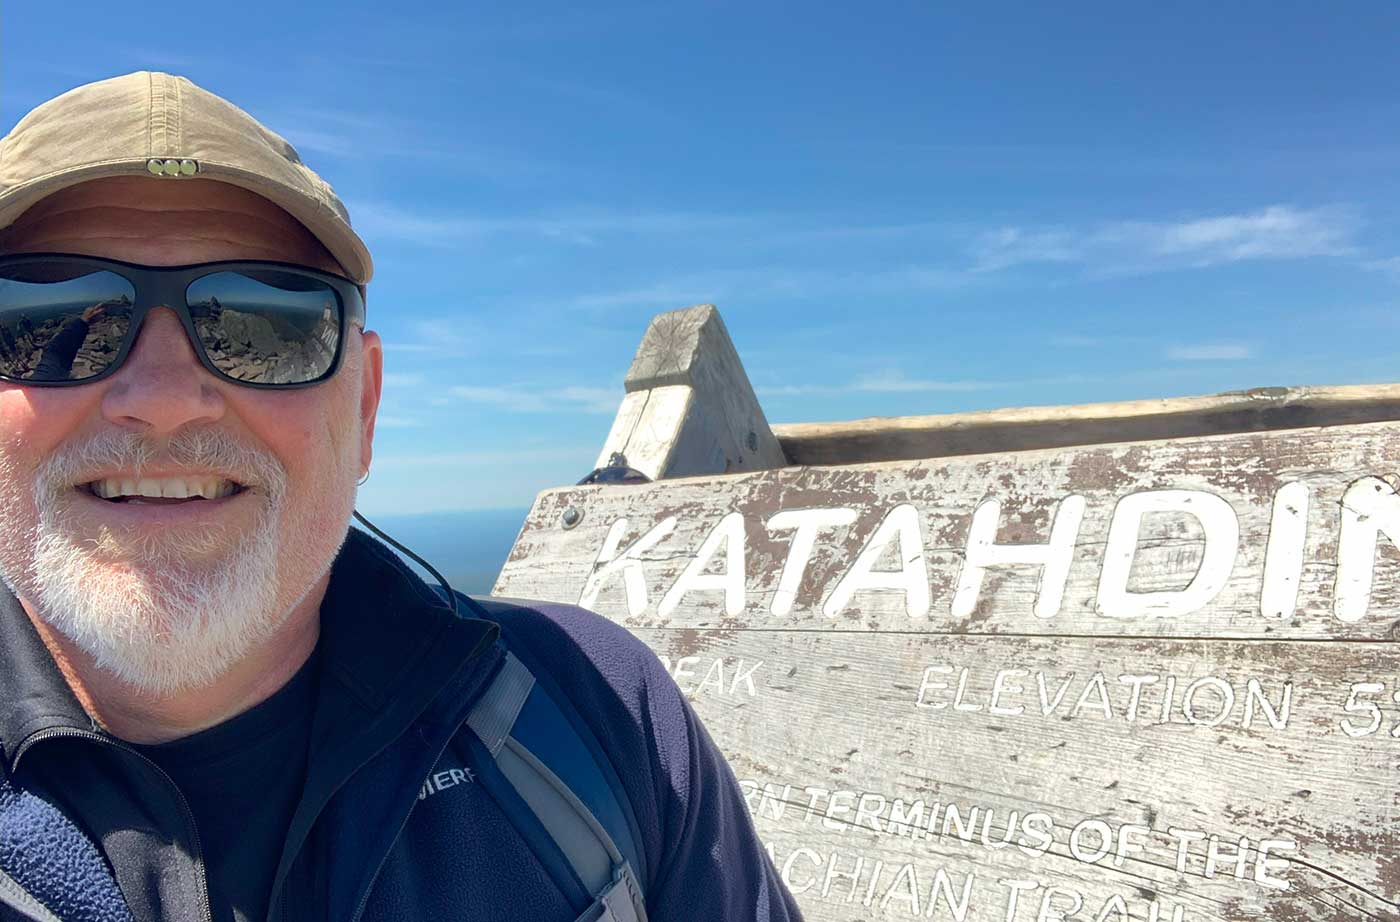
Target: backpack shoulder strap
(539, 753)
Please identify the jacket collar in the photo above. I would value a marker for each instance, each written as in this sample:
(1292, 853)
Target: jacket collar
(386, 639)
(33, 693)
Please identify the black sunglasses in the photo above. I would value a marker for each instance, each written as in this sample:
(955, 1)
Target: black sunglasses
(68, 319)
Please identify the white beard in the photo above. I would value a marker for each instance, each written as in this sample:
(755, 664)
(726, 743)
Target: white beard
(170, 612)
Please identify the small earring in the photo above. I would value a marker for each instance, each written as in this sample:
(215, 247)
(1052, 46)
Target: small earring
(361, 481)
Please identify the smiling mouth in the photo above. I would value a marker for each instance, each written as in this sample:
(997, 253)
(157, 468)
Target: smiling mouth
(161, 490)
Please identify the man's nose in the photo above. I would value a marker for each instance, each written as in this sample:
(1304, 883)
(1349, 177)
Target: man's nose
(162, 386)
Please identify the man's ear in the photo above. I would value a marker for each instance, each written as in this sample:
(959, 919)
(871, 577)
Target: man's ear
(372, 371)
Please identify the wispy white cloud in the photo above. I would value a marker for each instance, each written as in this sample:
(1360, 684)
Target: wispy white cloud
(524, 399)
(882, 382)
(450, 459)
(452, 337)
(385, 220)
(776, 282)
(1209, 352)
(896, 382)
(383, 421)
(1275, 232)
(398, 379)
(1079, 341)
(352, 134)
(1389, 265)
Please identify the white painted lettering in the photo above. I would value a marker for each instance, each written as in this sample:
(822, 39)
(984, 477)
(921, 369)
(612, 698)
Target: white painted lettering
(906, 818)
(1184, 839)
(745, 676)
(714, 676)
(1053, 558)
(1036, 833)
(1115, 903)
(1127, 833)
(929, 684)
(1047, 707)
(943, 887)
(1095, 684)
(729, 534)
(1227, 701)
(834, 872)
(1254, 694)
(958, 704)
(1000, 686)
(1049, 912)
(1135, 696)
(1283, 559)
(838, 805)
(628, 563)
(685, 667)
(1267, 868)
(1101, 830)
(1369, 507)
(1014, 890)
(1222, 539)
(952, 816)
(807, 524)
(905, 889)
(902, 527)
(868, 815)
(1354, 705)
(791, 862)
(1216, 855)
(775, 802)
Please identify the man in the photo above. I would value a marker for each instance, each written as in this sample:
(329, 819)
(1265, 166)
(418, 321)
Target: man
(213, 703)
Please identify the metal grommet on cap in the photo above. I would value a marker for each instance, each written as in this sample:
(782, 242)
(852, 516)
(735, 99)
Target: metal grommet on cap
(172, 167)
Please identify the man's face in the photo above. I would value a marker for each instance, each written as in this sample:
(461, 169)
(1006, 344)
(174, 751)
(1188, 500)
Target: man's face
(171, 593)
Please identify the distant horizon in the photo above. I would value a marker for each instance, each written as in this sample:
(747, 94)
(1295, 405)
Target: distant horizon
(467, 546)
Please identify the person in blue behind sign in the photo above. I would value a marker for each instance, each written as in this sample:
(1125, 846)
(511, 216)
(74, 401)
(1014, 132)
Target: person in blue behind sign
(219, 702)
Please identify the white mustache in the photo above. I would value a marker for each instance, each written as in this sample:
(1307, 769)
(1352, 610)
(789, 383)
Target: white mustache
(213, 450)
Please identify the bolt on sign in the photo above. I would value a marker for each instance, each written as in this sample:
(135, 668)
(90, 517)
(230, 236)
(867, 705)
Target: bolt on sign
(1155, 679)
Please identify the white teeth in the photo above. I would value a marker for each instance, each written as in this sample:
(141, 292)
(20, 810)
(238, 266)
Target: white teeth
(173, 487)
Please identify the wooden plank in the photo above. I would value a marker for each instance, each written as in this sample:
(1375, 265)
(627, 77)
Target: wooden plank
(931, 752)
(690, 408)
(1150, 681)
(1029, 428)
(1260, 535)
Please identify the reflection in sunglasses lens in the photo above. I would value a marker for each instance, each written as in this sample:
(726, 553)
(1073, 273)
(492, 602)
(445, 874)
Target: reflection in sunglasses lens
(60, 321)
(266, 326)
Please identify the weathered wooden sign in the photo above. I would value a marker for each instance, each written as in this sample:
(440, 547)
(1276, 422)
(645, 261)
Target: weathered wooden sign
(1147, 681)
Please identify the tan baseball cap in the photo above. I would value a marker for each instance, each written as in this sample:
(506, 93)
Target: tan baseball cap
(163, 126)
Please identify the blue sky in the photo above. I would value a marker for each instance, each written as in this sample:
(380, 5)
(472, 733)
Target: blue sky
(899, 208)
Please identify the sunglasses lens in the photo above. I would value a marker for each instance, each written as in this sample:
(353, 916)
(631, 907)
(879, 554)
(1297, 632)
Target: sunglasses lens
(266, 326)
(60, 320)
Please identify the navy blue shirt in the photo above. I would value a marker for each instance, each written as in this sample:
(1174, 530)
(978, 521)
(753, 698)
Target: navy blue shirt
(242, 780)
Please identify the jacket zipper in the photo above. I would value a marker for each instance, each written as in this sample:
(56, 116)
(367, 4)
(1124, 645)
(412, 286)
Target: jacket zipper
(23, 902)
(72, 733)
(277, 912)
(403, 824)
(369, 888)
